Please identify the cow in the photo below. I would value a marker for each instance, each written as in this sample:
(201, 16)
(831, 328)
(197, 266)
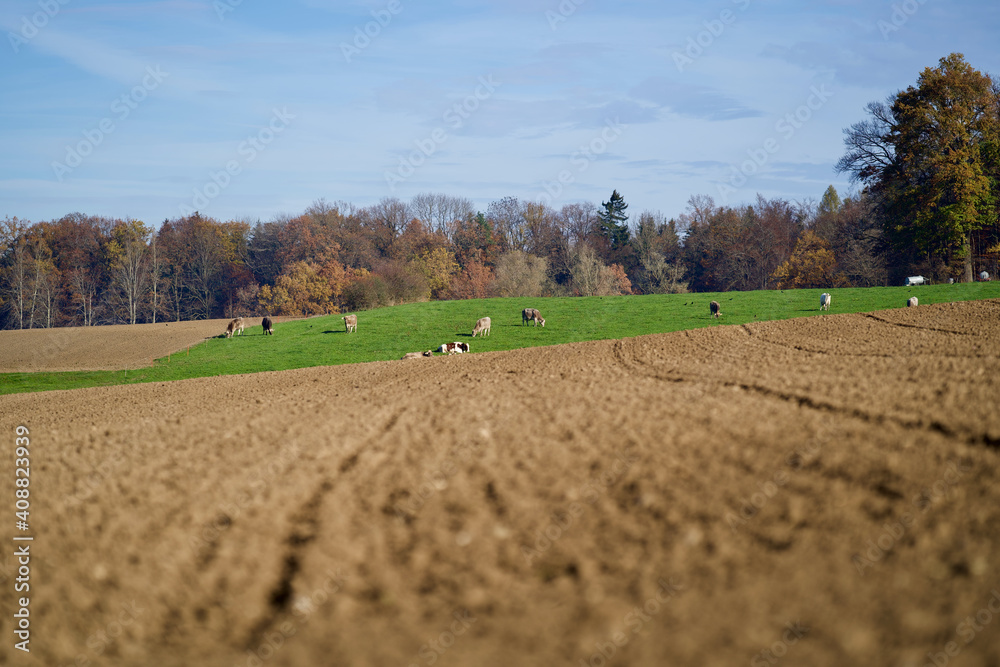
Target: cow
(713, 308)
(911, 302)
(235, 327)
(824, 301)
(532, 315)
(351, 322)
(482, 326)
(268, 326)
(418, 355)
(453, 348)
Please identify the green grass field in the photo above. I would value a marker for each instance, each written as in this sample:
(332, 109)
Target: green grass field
(388, 333)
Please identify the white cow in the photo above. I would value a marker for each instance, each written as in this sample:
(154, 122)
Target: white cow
(453, 348)
(482, 326)
(824, 301)
(911, 302)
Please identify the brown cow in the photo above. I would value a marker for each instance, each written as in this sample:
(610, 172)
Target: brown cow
(532, 315)
(268, 326)
(713, 307)
(351, 322)
(235, 327)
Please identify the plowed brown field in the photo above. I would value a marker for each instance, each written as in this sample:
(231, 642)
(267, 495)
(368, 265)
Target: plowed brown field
(106, 348)
(818, 491)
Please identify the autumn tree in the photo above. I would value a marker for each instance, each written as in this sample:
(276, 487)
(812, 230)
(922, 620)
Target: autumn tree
(44, 280)
(128, 265)
(576, 223)
(417, 239)
(387, 219)
(15, 271)
(812, 265)
(156, 267)
(738, 248)
(264, 251)
(520, 274)
(475, 281)
(305, 288)
(657, 248)
(922, 152)
(475, 240)
(438, 266)
(853, 229)
(205, 255)
(77, 242)
(591, 277)
(506, 215)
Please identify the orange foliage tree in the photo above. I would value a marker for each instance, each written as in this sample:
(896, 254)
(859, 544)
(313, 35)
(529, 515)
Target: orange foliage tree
(474, 282)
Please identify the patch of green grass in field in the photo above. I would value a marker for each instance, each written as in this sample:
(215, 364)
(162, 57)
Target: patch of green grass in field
(388, 333)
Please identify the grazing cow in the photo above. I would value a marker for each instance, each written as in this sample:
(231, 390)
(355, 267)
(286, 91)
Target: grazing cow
(911, 302)
(824, 301)
(482, 326)
(532, 315)
(713, 308)
(453, 348)
(235, 327)
(268, 326)
(351, 322)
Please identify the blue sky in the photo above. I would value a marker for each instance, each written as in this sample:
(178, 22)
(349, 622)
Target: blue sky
(245, 109)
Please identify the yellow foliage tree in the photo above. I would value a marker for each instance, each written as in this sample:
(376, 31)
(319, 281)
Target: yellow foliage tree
(307, 288)
(438, 266)
(812, 265)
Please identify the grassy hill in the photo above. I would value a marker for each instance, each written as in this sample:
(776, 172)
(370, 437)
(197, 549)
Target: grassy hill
(388, 333)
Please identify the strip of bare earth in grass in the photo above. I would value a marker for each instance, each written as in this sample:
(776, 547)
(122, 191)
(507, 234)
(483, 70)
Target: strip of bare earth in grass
(388, 333)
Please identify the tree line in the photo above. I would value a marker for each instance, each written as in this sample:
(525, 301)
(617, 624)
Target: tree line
(84, 270)
(927, 160)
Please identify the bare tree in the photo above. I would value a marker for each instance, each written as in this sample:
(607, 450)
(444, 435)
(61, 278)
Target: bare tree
(42, 272)
(520, 274)
(129, 265)
(439, 211)
(591, 277)
(869, 147)
(156, 267)
(578, 222)
(387, 219)
(507, 216)
(84, 294)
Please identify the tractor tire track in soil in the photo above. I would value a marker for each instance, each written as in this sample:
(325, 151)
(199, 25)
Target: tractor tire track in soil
(675, 499)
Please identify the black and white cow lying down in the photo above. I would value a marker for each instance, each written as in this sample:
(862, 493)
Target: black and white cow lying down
(453, 348)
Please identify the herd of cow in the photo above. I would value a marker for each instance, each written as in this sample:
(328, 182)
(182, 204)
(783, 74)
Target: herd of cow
(482, 327)
(484, 323)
